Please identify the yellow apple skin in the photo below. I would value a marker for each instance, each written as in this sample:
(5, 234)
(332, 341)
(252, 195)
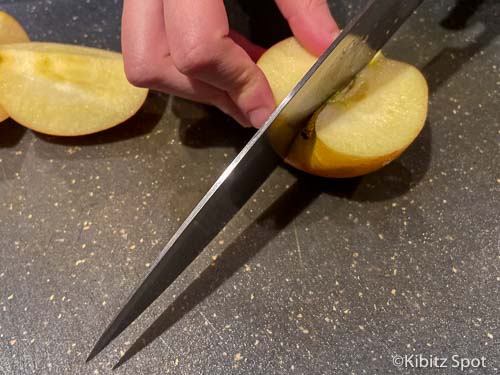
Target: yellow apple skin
(66, 90)
(362, 128)
(10, 32)
(314, 157)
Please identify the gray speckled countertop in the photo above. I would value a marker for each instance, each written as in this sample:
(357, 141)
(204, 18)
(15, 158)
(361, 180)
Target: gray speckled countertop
(312, 277)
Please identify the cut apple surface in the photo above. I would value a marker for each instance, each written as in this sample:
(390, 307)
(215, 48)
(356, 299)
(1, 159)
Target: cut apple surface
(66, 90)
(361, 128)
(284, 65)
(10, 32)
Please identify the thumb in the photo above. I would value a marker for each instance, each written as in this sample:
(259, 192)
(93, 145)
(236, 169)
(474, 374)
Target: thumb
(311, 23)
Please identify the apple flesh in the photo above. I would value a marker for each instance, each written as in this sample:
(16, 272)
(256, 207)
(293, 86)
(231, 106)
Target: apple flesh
(361, 128)
(66, 90)
(284, 65)
(10, 32)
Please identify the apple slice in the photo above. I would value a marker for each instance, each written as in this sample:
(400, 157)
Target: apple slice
(66, 90)
(10, 32)
(360, 129)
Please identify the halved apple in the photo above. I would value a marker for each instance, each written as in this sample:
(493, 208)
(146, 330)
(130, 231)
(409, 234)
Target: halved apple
(361, 128)
(10, 32)
(66, 90)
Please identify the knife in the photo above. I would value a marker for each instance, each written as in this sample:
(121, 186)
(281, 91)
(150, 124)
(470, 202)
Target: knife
(349, 53)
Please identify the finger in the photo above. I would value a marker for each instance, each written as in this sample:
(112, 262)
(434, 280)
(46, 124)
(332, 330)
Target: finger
(144, 42)
(254, 51)
(169, 79)
(198, 36)
(311, 22)
(148, 62)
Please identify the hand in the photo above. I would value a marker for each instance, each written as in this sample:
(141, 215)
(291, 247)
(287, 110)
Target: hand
(186, 48)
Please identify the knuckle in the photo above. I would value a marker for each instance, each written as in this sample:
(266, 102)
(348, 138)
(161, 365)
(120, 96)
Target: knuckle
(194, 57)
(223, 102)
(140, 71)
(314, 4)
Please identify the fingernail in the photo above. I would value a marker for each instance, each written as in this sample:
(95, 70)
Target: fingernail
(259, 116)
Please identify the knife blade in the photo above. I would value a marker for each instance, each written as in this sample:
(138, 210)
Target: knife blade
(349, 53)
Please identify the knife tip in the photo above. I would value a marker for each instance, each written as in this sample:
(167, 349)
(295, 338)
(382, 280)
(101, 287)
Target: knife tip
(98, 347)
(92, 354)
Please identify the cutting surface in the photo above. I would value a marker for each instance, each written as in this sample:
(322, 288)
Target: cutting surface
(312, 277)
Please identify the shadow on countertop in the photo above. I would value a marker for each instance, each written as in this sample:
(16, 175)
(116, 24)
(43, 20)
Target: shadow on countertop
(11, 133)
(392, 180)
(203, 126)
(262, 231)
(459, 16)
(449, 61)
